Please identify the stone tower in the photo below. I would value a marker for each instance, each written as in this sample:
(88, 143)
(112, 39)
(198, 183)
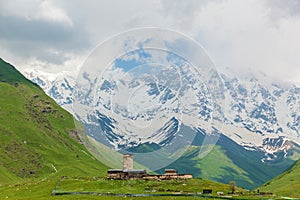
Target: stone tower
(127, 162)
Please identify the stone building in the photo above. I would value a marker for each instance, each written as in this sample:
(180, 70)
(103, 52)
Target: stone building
(127, 162)
(128, 173)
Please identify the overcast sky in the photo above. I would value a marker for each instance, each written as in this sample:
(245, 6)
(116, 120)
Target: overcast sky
(58, 35)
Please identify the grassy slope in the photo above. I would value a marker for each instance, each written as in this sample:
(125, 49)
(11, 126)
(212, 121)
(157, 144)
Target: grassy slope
(286, 184)
(215, 166)
(229, 162)
(35, 142)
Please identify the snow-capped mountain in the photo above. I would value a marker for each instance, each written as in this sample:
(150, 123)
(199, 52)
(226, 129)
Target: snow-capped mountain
(260, 116)
(257, 110)
(262, 106)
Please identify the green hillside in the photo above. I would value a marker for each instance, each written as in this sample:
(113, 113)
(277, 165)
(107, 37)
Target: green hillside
(286, 184)
(228, 161)
(38, 139)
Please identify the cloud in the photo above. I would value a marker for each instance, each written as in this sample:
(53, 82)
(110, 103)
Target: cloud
(36, 10)
(258, 34)
(16, 28)
(39, 31)
(48, 11)
(281, 8)
(245, 35)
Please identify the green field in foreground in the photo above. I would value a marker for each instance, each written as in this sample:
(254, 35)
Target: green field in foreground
(103, 185)
(42, 189)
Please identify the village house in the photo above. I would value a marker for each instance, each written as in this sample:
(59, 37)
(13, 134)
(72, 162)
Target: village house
(128, 173)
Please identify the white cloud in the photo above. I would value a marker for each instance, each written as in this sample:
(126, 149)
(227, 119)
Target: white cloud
(36, 10)
(48, 11)
(244, 35)
(258, 34)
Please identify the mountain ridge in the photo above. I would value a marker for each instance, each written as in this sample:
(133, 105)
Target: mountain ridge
(256, 116)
